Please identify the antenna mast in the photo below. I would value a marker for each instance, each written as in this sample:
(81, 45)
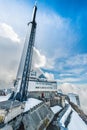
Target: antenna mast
(21, 94)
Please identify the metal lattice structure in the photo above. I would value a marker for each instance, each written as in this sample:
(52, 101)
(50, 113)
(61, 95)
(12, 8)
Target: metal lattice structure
(21, 95)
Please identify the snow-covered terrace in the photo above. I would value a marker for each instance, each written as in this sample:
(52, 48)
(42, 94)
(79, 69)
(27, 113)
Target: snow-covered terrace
(56, 109)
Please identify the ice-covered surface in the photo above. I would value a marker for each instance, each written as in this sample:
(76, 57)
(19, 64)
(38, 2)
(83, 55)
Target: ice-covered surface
(76, 123)
(64, 117)
(66, 102)
(30, 103)
(56, 109)
(74, 98)
(4, 98)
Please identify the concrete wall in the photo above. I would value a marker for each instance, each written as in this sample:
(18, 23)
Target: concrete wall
(38, 119)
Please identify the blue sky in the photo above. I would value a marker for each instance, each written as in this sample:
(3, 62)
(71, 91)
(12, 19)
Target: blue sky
(60, 38)
(76, 12)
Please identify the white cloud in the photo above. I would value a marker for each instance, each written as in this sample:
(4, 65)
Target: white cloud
(81, 90)
(6, 77)
(49, 76)
(80, 59)
(49, 63)
(74, 64)
(65, 74)
(72, 68)
(8, 32)
(68, 88)
(9, 61)
(39, 60)
(69, 80)
(5, 74)
(76, 70)
(55, 35)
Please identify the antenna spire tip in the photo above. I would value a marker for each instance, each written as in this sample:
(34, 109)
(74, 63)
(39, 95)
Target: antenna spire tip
(35, 2)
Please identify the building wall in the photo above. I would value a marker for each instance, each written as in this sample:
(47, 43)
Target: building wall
(41, 94)
(42, 86)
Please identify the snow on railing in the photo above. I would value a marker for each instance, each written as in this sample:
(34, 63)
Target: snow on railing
(65, 116)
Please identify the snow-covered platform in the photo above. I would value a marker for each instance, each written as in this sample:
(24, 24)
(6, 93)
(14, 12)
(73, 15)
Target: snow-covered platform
(56, 109)
(76, 122)
(30, 103)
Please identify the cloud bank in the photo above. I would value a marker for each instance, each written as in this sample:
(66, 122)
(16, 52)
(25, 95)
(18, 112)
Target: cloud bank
(8, 32)
(81, 90)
